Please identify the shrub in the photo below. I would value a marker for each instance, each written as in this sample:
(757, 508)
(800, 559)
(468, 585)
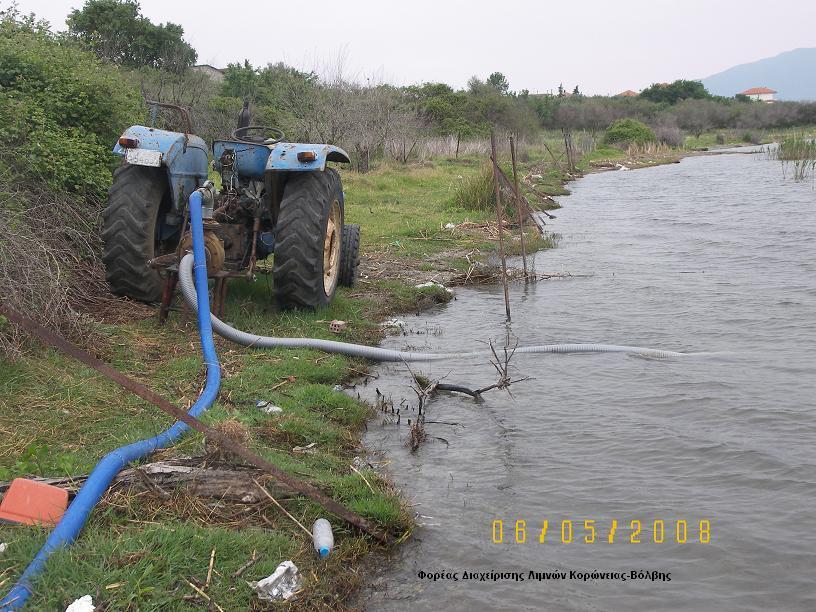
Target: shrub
(61, 109)
(628, 131)
(670, 135)
(48, 265)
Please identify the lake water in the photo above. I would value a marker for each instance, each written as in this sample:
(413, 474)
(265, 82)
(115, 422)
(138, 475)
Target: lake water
(715, 456)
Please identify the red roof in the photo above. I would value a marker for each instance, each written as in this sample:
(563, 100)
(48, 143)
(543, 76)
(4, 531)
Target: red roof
(628, 93)
(758, 90)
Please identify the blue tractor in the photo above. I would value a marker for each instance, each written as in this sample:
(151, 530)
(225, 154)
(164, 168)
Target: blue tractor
(276, 199)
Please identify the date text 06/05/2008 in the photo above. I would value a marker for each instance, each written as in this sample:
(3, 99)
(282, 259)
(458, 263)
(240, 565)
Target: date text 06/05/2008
(610, 531)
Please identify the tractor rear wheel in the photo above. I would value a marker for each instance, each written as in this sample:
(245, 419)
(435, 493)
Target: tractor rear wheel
(308, 236)
(129, 232)
(349, 255)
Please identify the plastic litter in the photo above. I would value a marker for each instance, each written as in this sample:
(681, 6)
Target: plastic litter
(432, 284)
(393, 323)
(305, 450)
(268, 407)
(83, 604)
(322, 537)
(3, 547)
(280, 585)
(337, 388)
(450, 226)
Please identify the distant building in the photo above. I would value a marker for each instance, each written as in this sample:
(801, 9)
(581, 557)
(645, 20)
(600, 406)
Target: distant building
(627, 94)
(216, 74)
(761, 94)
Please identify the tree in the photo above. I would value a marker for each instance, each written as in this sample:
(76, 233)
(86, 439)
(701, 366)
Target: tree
(575, 91)
(544, 106)
(672, 93)
(561, 91)
(499, 82)
(117, 31)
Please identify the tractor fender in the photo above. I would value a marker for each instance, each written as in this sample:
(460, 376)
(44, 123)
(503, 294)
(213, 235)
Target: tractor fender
(184, 156)
(284, 157)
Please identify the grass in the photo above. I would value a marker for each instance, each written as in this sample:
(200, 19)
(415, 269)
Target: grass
(736, 137)
(797, 152)
(797, 147)
(403, 209)
(477, 192)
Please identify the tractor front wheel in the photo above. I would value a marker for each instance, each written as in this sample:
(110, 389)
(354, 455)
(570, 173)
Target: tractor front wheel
(136, 203)
(306, 269)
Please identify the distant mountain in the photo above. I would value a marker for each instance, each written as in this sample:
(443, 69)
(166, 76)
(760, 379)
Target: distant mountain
(792, 74)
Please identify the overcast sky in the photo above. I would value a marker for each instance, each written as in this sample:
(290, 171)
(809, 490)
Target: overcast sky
(603, 46)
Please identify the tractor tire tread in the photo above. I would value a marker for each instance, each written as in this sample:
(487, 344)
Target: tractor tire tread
(128, 229)
(298, 264)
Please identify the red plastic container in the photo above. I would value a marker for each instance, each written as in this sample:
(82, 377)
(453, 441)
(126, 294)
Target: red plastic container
(33, 503)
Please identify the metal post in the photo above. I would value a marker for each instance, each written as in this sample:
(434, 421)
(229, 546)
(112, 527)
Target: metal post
(497, 192)
(519, 206)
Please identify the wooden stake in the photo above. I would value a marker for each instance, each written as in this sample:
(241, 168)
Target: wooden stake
(519, 206)
(210, 569)
(497, 192)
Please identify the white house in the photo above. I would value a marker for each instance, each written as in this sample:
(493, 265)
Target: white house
(216, 74)
(761, 94)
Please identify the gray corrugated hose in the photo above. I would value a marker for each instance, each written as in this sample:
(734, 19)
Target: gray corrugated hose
(379, 354)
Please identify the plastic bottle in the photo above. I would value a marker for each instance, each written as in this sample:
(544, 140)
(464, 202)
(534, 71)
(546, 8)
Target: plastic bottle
(322, 537)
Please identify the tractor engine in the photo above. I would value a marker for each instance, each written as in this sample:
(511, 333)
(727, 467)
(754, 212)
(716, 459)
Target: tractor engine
(242, 213)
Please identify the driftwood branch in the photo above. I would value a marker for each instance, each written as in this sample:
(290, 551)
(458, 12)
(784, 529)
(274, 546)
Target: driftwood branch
(225, 482)
(425, 389)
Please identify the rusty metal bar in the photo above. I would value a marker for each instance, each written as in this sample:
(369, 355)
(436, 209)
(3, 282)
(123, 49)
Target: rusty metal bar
(182, 111)
(167, 296)
(55, 340)
(519, 206)
(497, 191)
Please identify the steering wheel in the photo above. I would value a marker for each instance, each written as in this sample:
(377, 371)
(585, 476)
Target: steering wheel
(268, 135)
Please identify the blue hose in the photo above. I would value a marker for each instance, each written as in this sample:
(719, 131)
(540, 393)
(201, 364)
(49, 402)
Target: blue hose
(111, 464)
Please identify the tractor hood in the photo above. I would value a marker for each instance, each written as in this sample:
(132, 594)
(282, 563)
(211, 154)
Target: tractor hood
(254, 160)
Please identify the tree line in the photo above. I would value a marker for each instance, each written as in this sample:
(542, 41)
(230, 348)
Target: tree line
(371, 119)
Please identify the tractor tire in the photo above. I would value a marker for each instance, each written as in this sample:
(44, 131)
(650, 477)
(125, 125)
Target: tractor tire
(129, 232)
(308, 237)
(349, 255)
